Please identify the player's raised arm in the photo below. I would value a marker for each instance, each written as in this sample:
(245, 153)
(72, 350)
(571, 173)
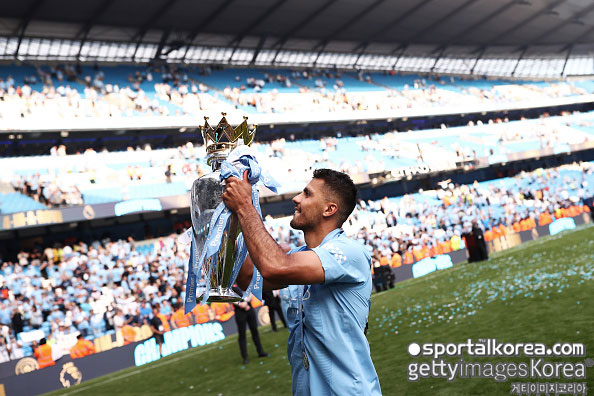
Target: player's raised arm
(273, 263)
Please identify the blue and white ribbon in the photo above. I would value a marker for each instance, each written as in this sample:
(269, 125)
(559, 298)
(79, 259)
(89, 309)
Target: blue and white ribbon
(239, 160)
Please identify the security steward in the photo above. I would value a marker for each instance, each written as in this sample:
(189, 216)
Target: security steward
(82, 348)
(43, 353)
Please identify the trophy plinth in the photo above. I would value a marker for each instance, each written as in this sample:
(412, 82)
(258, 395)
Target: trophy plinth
(220, 294)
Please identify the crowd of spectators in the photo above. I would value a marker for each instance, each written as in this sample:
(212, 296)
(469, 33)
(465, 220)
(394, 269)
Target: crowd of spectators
(423, 230)
(66, 91)
(93, 288)
(70, 177)
(322, 90)
(49, 189)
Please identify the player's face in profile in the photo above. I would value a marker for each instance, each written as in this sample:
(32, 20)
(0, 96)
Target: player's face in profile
(309, 206)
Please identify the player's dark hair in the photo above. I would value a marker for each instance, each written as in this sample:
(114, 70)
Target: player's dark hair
(342, 188)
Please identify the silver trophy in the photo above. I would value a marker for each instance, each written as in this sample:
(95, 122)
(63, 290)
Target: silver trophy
(206, 196)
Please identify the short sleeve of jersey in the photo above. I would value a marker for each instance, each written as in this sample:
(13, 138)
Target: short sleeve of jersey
(344, 261)
(298, 249)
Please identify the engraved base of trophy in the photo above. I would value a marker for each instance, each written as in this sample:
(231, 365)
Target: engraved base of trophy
(223, 295)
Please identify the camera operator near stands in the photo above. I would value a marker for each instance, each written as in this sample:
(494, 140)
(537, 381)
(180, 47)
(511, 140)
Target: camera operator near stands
(330, 280)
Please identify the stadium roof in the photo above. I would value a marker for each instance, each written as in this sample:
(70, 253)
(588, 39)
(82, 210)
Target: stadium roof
(249, 29)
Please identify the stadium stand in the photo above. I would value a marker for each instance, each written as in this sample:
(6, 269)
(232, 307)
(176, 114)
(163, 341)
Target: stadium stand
(97, 288)
(100, 177)
(127, 91)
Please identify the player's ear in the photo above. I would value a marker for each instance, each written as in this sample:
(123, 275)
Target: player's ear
(331, 209)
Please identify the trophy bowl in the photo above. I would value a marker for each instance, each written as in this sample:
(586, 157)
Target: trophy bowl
(205, 197)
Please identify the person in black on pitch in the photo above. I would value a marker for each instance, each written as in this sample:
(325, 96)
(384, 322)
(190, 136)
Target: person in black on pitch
(157, 328)
(245, 314)
(272, 300)
(480, 240)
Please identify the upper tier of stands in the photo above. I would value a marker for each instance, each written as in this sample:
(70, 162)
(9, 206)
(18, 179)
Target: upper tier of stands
(68, 92)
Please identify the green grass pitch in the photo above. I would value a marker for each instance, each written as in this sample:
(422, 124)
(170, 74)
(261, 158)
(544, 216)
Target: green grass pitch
(541, 291)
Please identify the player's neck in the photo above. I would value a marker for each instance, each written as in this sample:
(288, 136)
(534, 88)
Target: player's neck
(314, 237)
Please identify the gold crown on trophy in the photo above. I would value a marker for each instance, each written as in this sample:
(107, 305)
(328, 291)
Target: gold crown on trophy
(224, 137)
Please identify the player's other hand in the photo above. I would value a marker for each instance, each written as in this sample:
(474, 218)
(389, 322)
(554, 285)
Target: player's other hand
(238, 193)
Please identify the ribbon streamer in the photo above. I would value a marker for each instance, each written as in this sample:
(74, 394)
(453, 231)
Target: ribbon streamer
(239, 160)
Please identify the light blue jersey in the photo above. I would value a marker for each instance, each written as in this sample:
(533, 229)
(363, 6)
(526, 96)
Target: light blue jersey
(334, 317)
